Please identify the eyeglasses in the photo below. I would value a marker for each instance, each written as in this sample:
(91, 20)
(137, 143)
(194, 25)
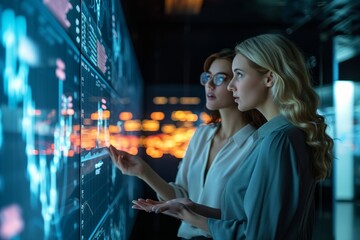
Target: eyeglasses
(217, 79)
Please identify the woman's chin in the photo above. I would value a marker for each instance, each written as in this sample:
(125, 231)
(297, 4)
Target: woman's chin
(211, 107)
(242, 108)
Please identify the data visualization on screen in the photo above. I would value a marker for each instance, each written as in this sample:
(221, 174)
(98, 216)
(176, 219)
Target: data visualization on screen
(40, 125)
(96, 35)
(59, 111)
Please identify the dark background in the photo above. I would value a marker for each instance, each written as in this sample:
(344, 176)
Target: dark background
(171, 46)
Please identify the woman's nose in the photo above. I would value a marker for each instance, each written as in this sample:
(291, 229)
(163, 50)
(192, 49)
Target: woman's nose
(230, 86)
(210, 84)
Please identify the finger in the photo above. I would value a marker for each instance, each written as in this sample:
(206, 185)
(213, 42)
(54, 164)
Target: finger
(114, 159)
(143, 200)
(124, 153)
(153, 201)
(143, 205)
(122, 163)
(138, 205)
(108, 149)
(140, 200)
(112, 151)
(138, 208)
(111, 147)
(161, 208)
(141, 208)
(146, 207)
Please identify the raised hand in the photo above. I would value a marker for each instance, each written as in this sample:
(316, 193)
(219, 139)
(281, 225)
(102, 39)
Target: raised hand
(127, 163)
(135, 166)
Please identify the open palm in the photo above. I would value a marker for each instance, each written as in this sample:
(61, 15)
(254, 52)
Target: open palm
(176, 207)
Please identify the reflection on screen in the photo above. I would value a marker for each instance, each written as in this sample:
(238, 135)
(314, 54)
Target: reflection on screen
(58, 112)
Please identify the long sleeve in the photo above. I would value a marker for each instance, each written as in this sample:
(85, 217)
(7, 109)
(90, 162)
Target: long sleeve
(271, 203)
(273, 192)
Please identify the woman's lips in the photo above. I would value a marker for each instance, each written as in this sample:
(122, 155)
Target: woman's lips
(210, 96)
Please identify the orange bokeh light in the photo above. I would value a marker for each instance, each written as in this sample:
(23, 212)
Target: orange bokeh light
(124, 116)
(157, 116)
(150, 125)
(132, 125)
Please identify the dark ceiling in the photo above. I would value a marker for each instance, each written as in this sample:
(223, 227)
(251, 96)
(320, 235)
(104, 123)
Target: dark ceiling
(171, 47)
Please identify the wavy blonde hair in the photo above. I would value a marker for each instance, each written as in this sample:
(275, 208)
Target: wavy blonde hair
(292, 92)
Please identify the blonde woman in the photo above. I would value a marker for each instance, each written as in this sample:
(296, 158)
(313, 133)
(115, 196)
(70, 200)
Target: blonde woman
(272, 194)
(214, 153)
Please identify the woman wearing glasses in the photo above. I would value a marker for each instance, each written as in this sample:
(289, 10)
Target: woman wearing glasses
(213, 154)
(271, 195)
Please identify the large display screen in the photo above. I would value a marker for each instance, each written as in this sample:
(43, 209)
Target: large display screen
(61, 98)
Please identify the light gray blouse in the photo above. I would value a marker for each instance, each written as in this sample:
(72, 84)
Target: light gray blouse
(191, 181)
(271, 196)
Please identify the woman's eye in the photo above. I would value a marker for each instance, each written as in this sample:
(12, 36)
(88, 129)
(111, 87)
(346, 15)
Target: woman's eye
(238, 74)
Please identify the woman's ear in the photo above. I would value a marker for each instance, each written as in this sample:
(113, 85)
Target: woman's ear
(270, 79)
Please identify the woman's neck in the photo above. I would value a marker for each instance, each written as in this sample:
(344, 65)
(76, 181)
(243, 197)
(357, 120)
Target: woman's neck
(232, 120)
(269, 110)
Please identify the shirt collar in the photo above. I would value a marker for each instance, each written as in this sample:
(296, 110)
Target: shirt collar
(243, 134)
(239, 137)
(272, 125)
(212, 131)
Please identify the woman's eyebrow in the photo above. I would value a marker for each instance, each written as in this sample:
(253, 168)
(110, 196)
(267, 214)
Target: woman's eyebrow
(219, 73)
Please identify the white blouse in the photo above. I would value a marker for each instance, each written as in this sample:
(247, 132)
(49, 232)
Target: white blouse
(190, 181)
